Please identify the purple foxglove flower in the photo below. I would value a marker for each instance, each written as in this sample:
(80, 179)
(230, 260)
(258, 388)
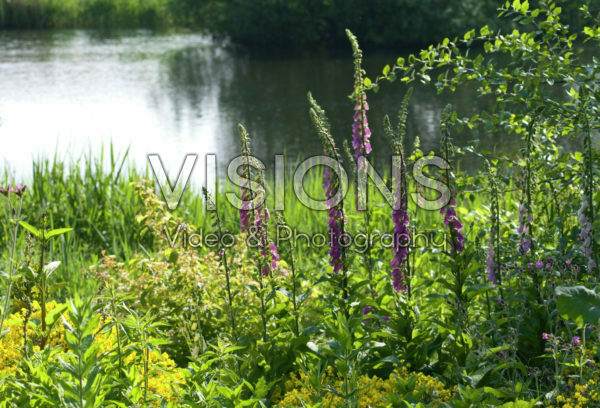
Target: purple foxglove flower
(366, 310)
(539, 264)
(335, 223)
(545, 336)
(274, 253)
(4, 191)
(451, 220)
(576, 340)
(525, 245)
(361, 133)
(525, 242)
(398, 280)
(245, 210)
(402, 239)
(274, 256)
(266, 271)
(267, 249)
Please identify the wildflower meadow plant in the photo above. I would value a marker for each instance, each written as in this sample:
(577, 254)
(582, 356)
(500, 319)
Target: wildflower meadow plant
(400, 217)
(246, 210)
(451, 221)
(525, 208)
(525, 221)
(586, 236)
(333, 188)
(361, 133)
(223, 256)
(14, 218)
(493, 255)
(257, 226)
(254, 215)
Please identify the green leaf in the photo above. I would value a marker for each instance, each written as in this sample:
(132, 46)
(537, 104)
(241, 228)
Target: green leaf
(518, 404)
(55, 314)
(578, 304)
(57, 232)
(386, 70)
(33, 230)
(516, 5)
(367, 82)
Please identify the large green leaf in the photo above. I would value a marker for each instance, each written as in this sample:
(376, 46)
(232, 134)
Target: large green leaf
(56, 232)
(33, 230)
(578, 304)
(55, 314)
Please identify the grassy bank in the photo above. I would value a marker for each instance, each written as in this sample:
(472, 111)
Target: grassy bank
(28, 14)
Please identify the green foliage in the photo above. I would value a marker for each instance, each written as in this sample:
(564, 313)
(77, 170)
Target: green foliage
(386, 24)
(243, 335)
(277, 25)
(84, 14)
(578, 304)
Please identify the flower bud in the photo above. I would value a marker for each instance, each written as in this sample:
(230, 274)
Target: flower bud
(20, 190)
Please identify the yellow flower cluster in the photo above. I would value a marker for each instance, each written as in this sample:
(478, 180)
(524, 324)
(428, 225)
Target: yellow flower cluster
(373, 391)
(164, 377)
(11, 345)
(583, 396)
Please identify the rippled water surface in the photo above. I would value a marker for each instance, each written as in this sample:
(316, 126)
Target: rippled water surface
(74, 92)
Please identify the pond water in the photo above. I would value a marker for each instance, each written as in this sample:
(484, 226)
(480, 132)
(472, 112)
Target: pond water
(75, 92)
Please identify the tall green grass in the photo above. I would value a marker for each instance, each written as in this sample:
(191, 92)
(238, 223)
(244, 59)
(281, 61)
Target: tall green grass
(84, 13)
(96, 196)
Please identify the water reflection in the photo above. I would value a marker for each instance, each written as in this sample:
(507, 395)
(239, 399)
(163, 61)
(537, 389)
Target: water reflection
(180, 93)
(268, 95)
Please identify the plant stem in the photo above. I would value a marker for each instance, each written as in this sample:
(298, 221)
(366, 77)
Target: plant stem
(294, 289)
(263, 310)
(114, 310)
(12, 269)
(42, 277)
(590, 187)
(227, 276)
